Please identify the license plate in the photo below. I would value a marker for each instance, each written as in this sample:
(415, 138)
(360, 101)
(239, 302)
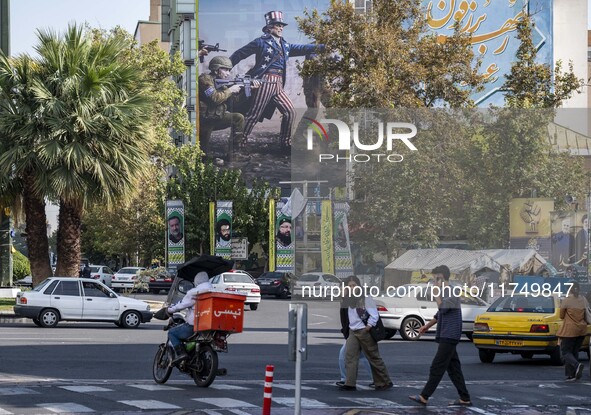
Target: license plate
(514, 343)
(265, 283)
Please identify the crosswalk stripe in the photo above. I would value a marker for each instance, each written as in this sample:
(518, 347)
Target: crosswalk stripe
(238, 412)
(156, 387)
(86, 389)
(306, 403)
(150, 404)
(65, 407)
(373, 402)
(16, 391)
(225, 386)
(225, 402)
(4, 412)
(211, 412)
(290, 387)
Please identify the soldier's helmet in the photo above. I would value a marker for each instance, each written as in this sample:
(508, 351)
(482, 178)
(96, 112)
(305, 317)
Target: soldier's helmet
(220, 62)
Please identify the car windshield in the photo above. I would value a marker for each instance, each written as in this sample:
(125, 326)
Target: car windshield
(523, 304)
(94, 269)
(127, 271)
(309, 278)
(271, 276)
(237, 278)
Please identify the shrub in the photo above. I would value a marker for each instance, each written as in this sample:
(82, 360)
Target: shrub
(20, 266)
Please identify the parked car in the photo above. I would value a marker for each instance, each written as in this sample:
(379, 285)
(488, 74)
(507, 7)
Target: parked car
(237, 282)
(79, 299)
(125, 277)
(524, 325)
(24, 282)
(162, 281)
(276, 283)
(410, 306)
(101, 273)
(313, 284)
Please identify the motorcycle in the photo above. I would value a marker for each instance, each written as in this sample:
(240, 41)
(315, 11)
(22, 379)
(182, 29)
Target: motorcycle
(201, 362)
(202, 347)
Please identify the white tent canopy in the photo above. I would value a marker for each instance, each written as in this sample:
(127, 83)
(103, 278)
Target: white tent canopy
(462, 261)
(459, 261)
(518, 260)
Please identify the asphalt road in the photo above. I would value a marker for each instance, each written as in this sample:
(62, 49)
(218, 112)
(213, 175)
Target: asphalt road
(100, 355)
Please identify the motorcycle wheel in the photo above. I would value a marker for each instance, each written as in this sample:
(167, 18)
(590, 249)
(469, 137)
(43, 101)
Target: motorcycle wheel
(206, 366)
(161, 370)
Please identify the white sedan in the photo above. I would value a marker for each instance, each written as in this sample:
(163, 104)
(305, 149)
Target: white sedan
(125, 277)
(239, 283)
(409, 307)
(79, 299)
(315, 285)
(101, 273)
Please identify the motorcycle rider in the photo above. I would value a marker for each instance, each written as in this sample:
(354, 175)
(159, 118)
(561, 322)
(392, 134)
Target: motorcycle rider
(177, 334)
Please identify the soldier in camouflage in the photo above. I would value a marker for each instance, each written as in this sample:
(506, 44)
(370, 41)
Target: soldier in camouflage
(216, 105)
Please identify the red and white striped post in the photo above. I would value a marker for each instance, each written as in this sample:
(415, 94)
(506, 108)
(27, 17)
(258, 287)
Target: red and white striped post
(268, 391)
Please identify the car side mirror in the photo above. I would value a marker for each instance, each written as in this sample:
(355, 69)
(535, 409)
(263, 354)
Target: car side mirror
(112, 295)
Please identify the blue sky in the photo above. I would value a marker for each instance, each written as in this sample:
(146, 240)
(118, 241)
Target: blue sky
(28, 15)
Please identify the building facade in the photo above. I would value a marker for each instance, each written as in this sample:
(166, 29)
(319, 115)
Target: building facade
(179, 28)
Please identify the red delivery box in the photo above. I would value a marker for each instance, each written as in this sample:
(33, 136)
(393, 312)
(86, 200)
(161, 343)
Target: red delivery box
(219, 311)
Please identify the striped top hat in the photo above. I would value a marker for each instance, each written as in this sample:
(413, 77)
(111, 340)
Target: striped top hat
(274, 17)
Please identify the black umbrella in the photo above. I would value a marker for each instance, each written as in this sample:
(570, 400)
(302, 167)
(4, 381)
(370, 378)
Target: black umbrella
(213, 265)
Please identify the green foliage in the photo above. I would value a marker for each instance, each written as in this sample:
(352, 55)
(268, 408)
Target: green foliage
(470, 164)
(20, 266)
(197, 183)
(387, 57)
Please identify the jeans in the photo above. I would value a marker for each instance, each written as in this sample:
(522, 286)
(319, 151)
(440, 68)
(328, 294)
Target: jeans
(446, 359)
(362, 359)
(569, 349)
(179, 333)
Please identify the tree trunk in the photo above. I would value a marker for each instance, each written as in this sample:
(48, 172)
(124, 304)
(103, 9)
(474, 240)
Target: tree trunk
(68, 240)
(37, 241)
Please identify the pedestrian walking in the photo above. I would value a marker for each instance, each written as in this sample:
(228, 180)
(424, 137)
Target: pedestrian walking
(363, 315)
(362, 358)
(272, 52)
(449, 329)
(572, 332)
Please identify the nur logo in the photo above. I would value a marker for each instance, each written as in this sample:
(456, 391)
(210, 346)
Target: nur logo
(389, 132)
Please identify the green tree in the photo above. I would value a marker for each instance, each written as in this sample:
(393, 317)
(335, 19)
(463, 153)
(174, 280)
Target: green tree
(22, 129)
(96, 109)
(516, 150)
(388, 58)
(197, 183)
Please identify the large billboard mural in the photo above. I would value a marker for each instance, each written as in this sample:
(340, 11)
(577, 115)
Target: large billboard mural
(255, 134)
(493, 25)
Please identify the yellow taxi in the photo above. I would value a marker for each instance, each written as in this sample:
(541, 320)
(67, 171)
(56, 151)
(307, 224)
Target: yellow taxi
(521, 324)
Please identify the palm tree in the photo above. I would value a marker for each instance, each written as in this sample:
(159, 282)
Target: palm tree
(96, 146)
(21, 129)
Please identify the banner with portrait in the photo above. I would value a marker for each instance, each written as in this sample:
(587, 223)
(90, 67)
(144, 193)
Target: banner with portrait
(284, 243)
(223, 229)
(342, 248)
(570, 239)
(175, 215)
(272, 218)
